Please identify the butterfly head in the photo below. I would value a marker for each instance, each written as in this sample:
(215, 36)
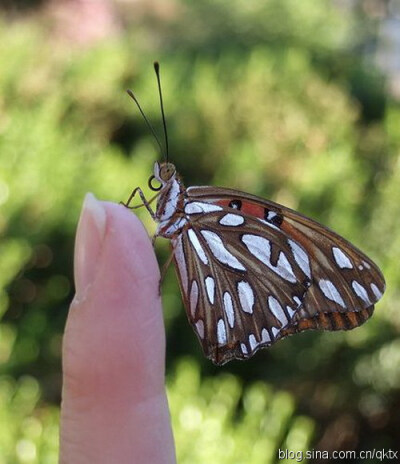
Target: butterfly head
(164, 173)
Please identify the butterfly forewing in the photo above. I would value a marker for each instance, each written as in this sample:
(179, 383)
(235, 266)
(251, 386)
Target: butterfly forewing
(252, 272)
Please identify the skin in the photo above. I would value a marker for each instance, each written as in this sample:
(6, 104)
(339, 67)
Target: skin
(114, 405)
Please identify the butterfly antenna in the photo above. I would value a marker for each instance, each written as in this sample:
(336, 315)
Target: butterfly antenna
(157, 70)
(132, 95)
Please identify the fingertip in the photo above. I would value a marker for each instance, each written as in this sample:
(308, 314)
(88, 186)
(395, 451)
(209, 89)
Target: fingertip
(119, 318)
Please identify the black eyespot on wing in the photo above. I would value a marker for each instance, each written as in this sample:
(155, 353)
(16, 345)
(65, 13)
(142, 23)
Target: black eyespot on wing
(235, 204)
(274, 218)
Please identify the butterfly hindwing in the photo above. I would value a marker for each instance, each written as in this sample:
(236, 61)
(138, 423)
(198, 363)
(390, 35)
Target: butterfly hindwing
(234, 303)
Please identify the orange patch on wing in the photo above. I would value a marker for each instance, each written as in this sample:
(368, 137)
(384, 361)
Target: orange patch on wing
(247, 207)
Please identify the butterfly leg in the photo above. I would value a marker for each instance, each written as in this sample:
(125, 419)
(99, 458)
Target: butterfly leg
(164, 271)
(145, 202)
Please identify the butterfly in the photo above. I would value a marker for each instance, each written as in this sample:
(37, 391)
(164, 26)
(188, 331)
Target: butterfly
(252, 271)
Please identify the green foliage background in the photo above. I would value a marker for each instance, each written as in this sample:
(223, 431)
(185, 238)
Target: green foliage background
(267, 97)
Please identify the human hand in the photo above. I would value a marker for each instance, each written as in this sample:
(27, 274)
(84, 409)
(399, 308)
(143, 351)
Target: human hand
(114, 406)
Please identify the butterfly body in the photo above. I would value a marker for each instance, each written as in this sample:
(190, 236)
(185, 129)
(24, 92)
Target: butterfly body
(252, 271)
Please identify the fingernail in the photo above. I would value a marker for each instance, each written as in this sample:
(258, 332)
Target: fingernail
(89, 238)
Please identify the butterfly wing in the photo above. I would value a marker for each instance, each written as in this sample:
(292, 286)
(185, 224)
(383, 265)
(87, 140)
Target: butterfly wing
(252, 271)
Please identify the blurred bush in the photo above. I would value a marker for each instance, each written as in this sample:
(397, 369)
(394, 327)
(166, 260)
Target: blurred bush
(28, 430)
(218, 420)
(267, 97)
(214, 419)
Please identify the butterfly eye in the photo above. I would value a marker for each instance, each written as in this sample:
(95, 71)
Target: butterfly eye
(153, 187)
(235, 204)
(167, 171)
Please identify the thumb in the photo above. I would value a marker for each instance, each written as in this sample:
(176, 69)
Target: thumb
(114, 406)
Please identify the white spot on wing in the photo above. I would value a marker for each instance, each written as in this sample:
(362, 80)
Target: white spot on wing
(260, 247)
(221, 332)
(231, 220)
(228, 307)
(265, 338)
(179, 256)
(274, 331)
(194, 297)
(284, 268)
(360, 291)
(342, 260)
(301, 258)
(376, 291)
(210, 288)
(331, 292)
(244, 348)
(197, 207)
(246, 296)
(277, 310)
(218, 249)
(252, 342)
(290, 311)
(200, 328)
(197, 246)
